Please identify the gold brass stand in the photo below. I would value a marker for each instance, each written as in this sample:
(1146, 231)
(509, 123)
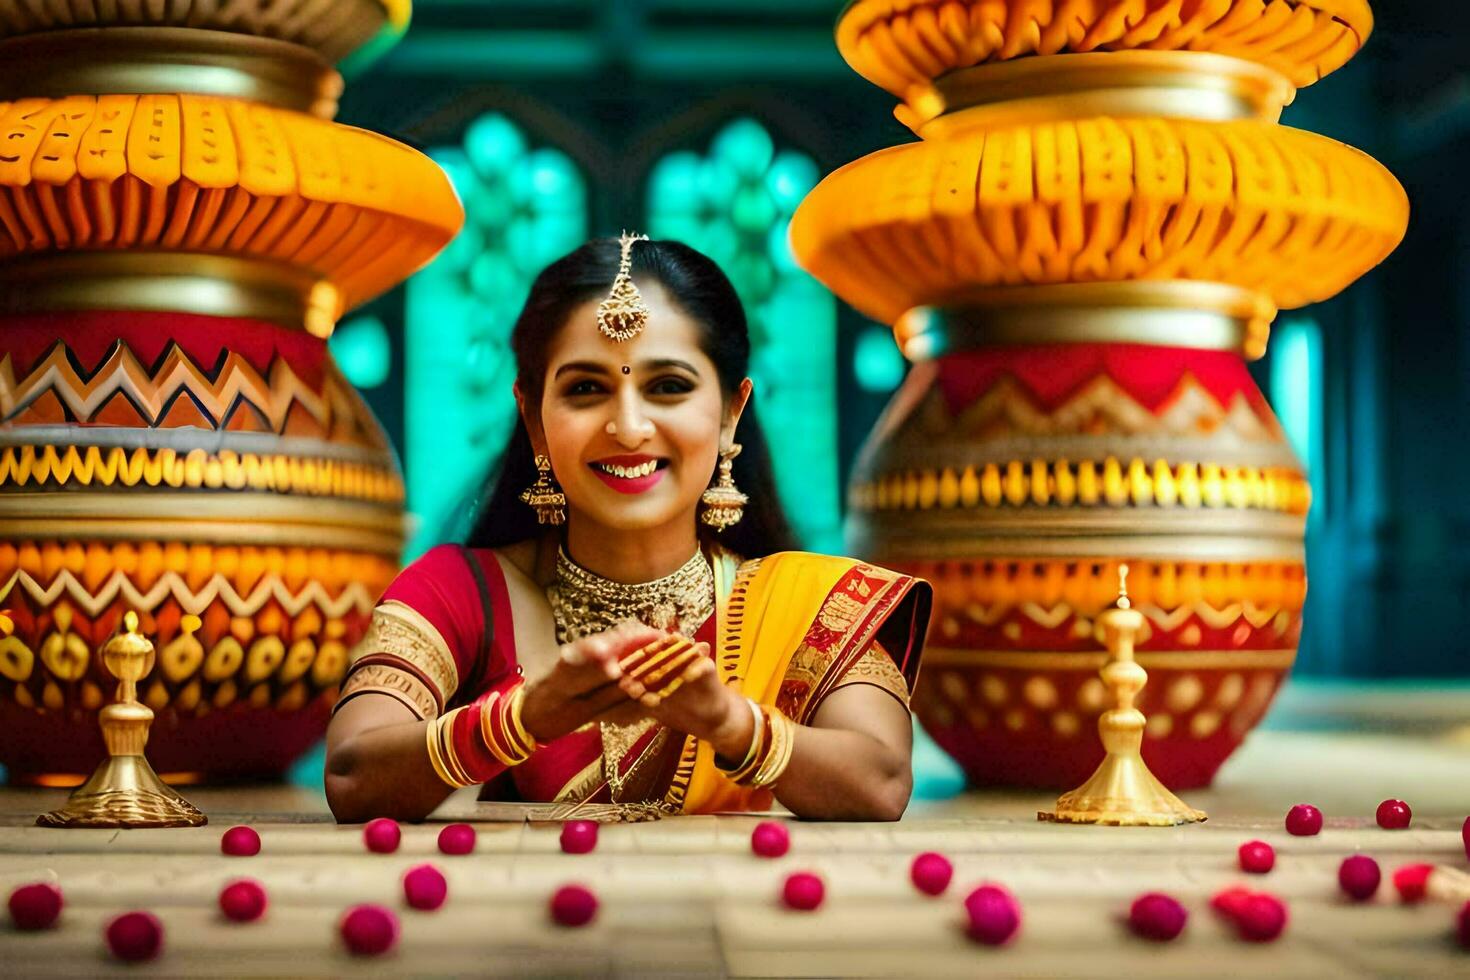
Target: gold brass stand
(124, 791)
(1122, 792)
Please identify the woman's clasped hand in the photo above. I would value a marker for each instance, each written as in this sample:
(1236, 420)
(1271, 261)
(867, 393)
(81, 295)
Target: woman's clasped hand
(626, 674)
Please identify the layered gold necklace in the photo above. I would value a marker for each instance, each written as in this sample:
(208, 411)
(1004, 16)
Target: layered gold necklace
(583, 602)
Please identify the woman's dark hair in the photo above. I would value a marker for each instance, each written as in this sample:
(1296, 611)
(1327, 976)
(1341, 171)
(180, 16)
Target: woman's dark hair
(696, 284)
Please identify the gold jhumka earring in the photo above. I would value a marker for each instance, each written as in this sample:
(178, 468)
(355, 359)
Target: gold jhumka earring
(724, 504)
(544, 496)
(623, 315)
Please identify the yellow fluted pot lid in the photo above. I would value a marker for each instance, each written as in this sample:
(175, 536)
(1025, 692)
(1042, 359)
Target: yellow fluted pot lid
(1288, 214)
(197, 174)
(900, 44)
(333, 28)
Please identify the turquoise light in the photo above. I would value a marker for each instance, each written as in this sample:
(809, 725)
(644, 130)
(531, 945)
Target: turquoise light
(675, 180)
(1296, 396)
(746, 146)
(524, 208)
(876, 361)
(790, 179)
(494, 144)
(936, 775)
(362, 351)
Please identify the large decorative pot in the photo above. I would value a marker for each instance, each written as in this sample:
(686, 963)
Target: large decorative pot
(175, 246)
(1093, 234)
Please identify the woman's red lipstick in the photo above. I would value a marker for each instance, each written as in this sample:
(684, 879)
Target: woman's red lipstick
(629, 474)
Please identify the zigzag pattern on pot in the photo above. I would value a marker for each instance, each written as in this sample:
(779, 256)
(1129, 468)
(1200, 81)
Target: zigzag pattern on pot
(1168, 620)
(187, 569)
(354, 598)
(1101, 407)
(85, 466)
(1290, 214)
(122, 390)
(899, 44)
(1091, 586)
(198, 173)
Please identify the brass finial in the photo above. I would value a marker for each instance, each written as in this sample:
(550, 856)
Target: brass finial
(623, 315)
(124, 791)
(1122, 792)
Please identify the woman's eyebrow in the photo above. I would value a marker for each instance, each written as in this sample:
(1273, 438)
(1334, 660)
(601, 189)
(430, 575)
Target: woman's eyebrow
(668, 362)
(588, 367)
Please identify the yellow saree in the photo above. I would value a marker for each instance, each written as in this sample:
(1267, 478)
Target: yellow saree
(789, 627)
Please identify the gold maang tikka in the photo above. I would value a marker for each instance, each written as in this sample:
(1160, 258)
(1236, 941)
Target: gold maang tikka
(623, 315)
(544, 496)
(724, 504)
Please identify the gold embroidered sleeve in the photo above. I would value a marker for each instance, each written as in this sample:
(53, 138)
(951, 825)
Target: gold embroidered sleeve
(876, 667)
(403, 655)
(401, 685)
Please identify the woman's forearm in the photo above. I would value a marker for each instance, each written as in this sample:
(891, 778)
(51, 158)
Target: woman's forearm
(383, 772)
(837, 774)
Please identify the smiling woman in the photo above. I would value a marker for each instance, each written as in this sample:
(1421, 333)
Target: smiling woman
(628, 632)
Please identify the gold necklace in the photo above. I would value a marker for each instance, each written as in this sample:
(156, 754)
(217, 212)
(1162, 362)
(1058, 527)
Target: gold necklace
(583, 602)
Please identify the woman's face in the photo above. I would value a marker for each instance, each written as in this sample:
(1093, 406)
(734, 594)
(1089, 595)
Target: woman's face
(633, 428)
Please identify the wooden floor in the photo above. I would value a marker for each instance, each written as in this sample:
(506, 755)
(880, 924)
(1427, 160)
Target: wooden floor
(685, 897)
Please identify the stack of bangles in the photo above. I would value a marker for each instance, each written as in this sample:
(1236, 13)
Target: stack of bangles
(661, 666)
(472, 744)
(770, 748)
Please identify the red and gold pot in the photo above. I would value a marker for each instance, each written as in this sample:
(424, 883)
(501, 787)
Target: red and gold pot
(176, 244)
(1093, 234)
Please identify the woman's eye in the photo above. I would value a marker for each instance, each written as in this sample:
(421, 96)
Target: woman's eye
(670, 386)
(584, 387)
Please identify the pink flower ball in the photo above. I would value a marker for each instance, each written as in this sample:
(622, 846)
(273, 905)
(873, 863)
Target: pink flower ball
(135, 936)
(382, 836)
(369, 930)
(1411, 881)
(241, 842)
(457, 838)
(1157, 916)
(1261, 918)
(803, 891)
(424, 887)
(994, 913)
(573, 905)
(579, 836)
(1304, 820)
(1465, 837)
(243, 900)
(931, 873)
(35, 906)
(1394, 815)
(1230, 901)
(1359, 877)
(770, 839)
(1462, 926)
(1256, 857)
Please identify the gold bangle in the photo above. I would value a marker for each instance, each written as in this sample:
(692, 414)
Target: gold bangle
(487, 730)
(451, 757)
(680, 662)
(755, 738)
(765, 742)
(436, 760)
(513, 712)
(783, 732)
